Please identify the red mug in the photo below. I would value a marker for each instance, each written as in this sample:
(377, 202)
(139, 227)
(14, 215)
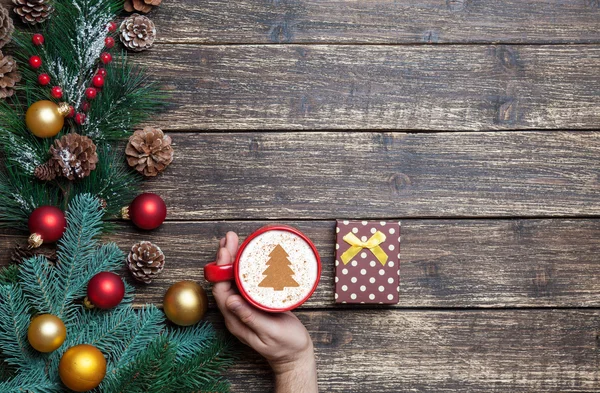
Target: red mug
(276, 269)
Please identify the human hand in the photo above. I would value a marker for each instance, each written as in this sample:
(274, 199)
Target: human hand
(280, 337)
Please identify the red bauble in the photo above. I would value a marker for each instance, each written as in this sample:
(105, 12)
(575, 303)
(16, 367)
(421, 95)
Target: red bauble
(91, 93)
(80, 118)
(109, 42)
(101, 71)
(105, 290)
(112, 27)
(147, 211)
(35, 62)
(71, 112)
(46, 224)
(43, 79)
(105, 57)
(57, 92)
(98, 80)
(37, 39)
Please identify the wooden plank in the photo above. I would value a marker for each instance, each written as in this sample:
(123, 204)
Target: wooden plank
(379, 21)
(444, 263)
(476, 351)
(337, 175)
(376, 21)
(469, 87)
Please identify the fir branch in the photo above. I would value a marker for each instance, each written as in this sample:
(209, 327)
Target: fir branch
(9, 274)
(38, 277)
(149, 372)
(14, 321)
(33, 381)
(76, 248)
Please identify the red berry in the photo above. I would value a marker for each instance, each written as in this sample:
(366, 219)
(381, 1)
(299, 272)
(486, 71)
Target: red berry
(37, 39)
(85, 106)
(71, 111)
(98, 81)
(57, 92)
(91, 93)
(109, 42)
(35, 62)
(105, 57)
(112, 26)
(101, 71)
(44, 79)
(80, 118)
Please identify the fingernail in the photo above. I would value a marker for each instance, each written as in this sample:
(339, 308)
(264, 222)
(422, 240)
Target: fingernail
(233, 307)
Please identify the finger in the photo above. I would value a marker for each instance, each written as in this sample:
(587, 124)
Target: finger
(231, 243)
(249, 316)
(221, 290)
(222, 242)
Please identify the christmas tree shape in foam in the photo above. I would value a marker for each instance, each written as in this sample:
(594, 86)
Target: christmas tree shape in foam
(278, 273)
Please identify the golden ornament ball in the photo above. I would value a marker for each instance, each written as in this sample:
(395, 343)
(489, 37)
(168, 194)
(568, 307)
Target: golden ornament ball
(82, 367)
(45, 119)
(46, 333)
(185, 303)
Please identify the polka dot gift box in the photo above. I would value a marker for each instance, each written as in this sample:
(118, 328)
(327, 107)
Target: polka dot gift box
(367, 257)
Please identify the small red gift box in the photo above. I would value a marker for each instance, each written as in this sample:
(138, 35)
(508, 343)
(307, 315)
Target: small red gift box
(367, 261)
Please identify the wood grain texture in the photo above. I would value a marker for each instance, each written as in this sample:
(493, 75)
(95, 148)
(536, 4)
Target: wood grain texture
(474, 351)
(217, 176)
(379, 21)
(469, 87)
(444, 263)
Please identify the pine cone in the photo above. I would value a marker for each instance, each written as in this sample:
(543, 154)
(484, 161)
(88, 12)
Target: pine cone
(143, 6)
(20, 253)
(149, 151)
(145, 261)
(6, 26)
(9, 76)
(73, 156)
(137, 33)
(33, 11)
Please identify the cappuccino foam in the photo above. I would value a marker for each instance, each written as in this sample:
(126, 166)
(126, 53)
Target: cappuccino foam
(273, 279)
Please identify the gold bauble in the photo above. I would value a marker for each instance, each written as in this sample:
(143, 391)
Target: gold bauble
(185, 303)
(46, 333)
(82, 367)
(45, 119)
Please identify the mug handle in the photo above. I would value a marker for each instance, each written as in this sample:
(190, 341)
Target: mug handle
(217, 273)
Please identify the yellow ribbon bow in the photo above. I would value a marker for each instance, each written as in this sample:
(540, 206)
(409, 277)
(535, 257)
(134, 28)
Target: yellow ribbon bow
(356, 245)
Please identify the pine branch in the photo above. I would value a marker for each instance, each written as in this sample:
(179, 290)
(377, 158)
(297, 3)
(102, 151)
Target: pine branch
(33, 381)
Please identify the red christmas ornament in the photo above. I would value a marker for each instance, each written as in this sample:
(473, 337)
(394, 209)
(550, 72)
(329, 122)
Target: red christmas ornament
(80, 118)
(85, 106)
(71, 112)
(147, 211)
(37, 39)
(35, 62)
(109, 42)
(101, 72)
(112, 27)
(91, 93)
(46, 225)
(105, 57)
(57, 92)
(98, 80)
(44, 79)
(105, 290)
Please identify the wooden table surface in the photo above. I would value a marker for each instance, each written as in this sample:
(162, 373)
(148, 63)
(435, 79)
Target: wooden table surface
(474, 122)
